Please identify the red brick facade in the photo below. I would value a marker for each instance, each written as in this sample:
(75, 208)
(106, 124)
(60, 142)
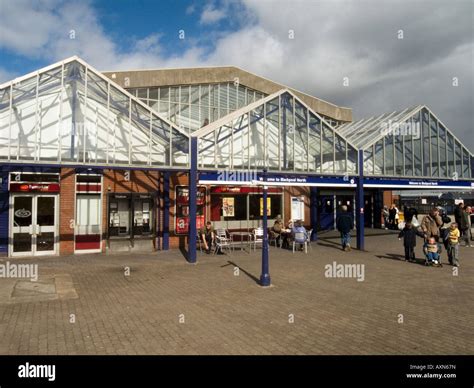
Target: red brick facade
(67, 207)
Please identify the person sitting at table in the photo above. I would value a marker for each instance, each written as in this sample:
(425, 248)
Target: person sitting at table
(276, 230)
(299, 228)
(208, 236)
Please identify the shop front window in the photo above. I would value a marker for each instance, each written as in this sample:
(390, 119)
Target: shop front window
(274, 207)
(228, 208)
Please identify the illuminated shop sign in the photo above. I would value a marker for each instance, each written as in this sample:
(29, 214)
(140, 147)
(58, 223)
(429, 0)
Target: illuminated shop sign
(34, 187)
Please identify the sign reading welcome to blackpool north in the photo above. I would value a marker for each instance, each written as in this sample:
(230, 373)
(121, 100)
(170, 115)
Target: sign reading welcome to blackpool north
(254, 178)
(418, 184)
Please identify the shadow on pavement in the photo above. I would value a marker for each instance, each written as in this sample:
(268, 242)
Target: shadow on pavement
(254, 278)
(395, 257)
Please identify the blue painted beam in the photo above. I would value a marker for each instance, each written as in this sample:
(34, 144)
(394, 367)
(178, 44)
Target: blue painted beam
(193, 181)
(360, 203)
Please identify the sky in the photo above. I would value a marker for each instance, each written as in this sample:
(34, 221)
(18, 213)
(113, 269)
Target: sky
(374, 56)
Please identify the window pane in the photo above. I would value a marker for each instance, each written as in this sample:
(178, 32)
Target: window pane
(434, 147)
(426, 143)
(389, 155)
(328, 150)
(369, 161)
(465, 161)
(417, 147)
(458, 154)
(442, 151)
(379, 162)
(314, 143)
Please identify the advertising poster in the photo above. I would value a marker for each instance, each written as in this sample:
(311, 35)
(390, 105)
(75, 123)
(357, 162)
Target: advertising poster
(228, 208)
(269, 206)
(182, 209)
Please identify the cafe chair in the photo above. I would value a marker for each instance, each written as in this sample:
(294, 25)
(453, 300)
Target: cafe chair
(300, 238)
(257, 237)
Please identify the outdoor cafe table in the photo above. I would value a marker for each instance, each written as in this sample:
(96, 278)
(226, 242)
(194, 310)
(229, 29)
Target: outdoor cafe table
(242, 241)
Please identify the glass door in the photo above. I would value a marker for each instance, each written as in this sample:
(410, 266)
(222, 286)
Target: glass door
(34, 229)
(45, 228)
(22, 225)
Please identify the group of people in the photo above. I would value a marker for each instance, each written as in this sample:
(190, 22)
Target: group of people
(431, 229)
(391, 216)
(435, 235)
(293, 230)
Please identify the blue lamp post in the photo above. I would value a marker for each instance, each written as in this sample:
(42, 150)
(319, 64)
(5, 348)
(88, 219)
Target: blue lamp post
(265, 280)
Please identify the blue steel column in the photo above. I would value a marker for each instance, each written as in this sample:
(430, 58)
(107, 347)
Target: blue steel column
(193, 179)
(360, 203)
(158, 215)
(166, 211)
(265, 280)
(313, 211)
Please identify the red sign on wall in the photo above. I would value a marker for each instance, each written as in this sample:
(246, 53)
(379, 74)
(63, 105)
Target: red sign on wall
(182, 209)
(34, 187)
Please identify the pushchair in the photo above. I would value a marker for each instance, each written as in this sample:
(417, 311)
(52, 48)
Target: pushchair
(436, 261)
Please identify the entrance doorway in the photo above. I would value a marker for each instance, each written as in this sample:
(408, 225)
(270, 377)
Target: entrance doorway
(326, 214)
(33, 225)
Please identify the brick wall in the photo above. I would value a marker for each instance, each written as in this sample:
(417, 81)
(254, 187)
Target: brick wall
(66, 211)
(297, 192)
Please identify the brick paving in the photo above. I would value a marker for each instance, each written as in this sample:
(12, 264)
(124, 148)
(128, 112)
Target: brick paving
(167, 306)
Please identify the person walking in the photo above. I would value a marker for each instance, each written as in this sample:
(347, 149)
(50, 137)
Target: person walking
(345, 224)
(465, 226)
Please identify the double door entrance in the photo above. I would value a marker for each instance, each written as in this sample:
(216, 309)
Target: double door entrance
(33, 224)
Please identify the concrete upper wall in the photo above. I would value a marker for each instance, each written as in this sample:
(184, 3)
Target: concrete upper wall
(170, 77)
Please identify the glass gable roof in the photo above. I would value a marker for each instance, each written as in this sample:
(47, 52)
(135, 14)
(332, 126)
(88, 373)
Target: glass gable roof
(278, 132)
(70, 113)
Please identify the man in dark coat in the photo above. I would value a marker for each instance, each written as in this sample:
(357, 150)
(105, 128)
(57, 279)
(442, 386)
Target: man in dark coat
(458, 211)
(345, 224)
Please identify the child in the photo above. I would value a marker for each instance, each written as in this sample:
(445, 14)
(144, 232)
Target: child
(453, 244)
(431, 250)
(409, 234)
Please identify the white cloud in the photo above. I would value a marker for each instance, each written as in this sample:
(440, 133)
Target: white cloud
(332, 40)
(211, 15)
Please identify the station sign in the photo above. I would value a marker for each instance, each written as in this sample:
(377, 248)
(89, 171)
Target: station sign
(418, 184)
(256, 179)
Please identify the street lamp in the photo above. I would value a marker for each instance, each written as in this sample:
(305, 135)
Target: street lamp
(265, 280)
